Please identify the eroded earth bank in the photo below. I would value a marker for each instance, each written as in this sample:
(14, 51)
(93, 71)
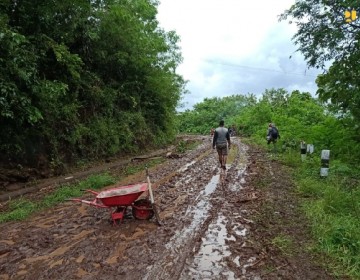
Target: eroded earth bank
(245, 226)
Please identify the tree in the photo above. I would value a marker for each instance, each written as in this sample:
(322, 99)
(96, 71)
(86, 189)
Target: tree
(85, 79)
(324, 36)
(322, 33)
(341, 86)
(210, 111)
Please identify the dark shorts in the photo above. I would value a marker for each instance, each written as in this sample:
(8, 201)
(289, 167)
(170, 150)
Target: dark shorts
(273, 140)
(222, 148)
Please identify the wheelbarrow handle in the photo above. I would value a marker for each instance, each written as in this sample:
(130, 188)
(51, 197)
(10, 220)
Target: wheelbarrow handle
(152, 199)
(92, 203)
(149, 187)
(90, 191)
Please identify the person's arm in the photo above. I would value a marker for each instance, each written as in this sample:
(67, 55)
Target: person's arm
(228, 139)
(215, 138)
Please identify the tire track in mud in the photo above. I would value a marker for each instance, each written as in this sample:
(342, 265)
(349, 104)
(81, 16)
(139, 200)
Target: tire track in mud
(180, 245)
(199, 250)
(214, 258)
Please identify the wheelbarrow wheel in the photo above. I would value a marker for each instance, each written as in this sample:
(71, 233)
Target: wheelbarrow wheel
(142, 209)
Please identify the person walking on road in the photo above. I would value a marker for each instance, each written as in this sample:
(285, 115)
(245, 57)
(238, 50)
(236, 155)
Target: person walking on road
(272, 135)
(221, 142)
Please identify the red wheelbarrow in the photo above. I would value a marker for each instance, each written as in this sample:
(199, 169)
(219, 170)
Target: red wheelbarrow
(118, 199)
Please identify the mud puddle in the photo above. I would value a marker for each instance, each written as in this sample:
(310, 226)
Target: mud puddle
(184, 238)
(208, 262)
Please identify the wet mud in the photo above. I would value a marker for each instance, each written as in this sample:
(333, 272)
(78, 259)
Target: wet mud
(212, 229)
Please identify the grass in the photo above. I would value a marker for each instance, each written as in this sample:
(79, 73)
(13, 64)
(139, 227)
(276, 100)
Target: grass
(283, 243)
(19, 209)
(332, 205)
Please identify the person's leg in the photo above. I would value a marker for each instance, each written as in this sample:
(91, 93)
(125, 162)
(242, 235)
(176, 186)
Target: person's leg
(220, 156)
(270, 145)
(224, 154)
(275, 149)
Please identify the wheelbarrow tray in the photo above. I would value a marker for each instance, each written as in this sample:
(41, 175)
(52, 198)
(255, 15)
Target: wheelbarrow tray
(122, 196)
(118, 199)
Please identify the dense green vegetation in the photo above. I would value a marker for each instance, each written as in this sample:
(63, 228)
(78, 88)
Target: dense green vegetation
(206, 115)
(84, 79)
(299, 116)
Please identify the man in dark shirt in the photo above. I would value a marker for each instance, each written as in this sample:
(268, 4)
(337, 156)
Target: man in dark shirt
(272, 134)
(221, 141)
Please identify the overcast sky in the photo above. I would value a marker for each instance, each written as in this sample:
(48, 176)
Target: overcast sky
(235, 47)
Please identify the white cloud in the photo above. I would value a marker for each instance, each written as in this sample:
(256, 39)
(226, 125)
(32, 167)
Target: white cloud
(235, 46)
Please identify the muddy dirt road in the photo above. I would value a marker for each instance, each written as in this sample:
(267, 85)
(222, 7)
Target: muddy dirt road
(213, 228)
